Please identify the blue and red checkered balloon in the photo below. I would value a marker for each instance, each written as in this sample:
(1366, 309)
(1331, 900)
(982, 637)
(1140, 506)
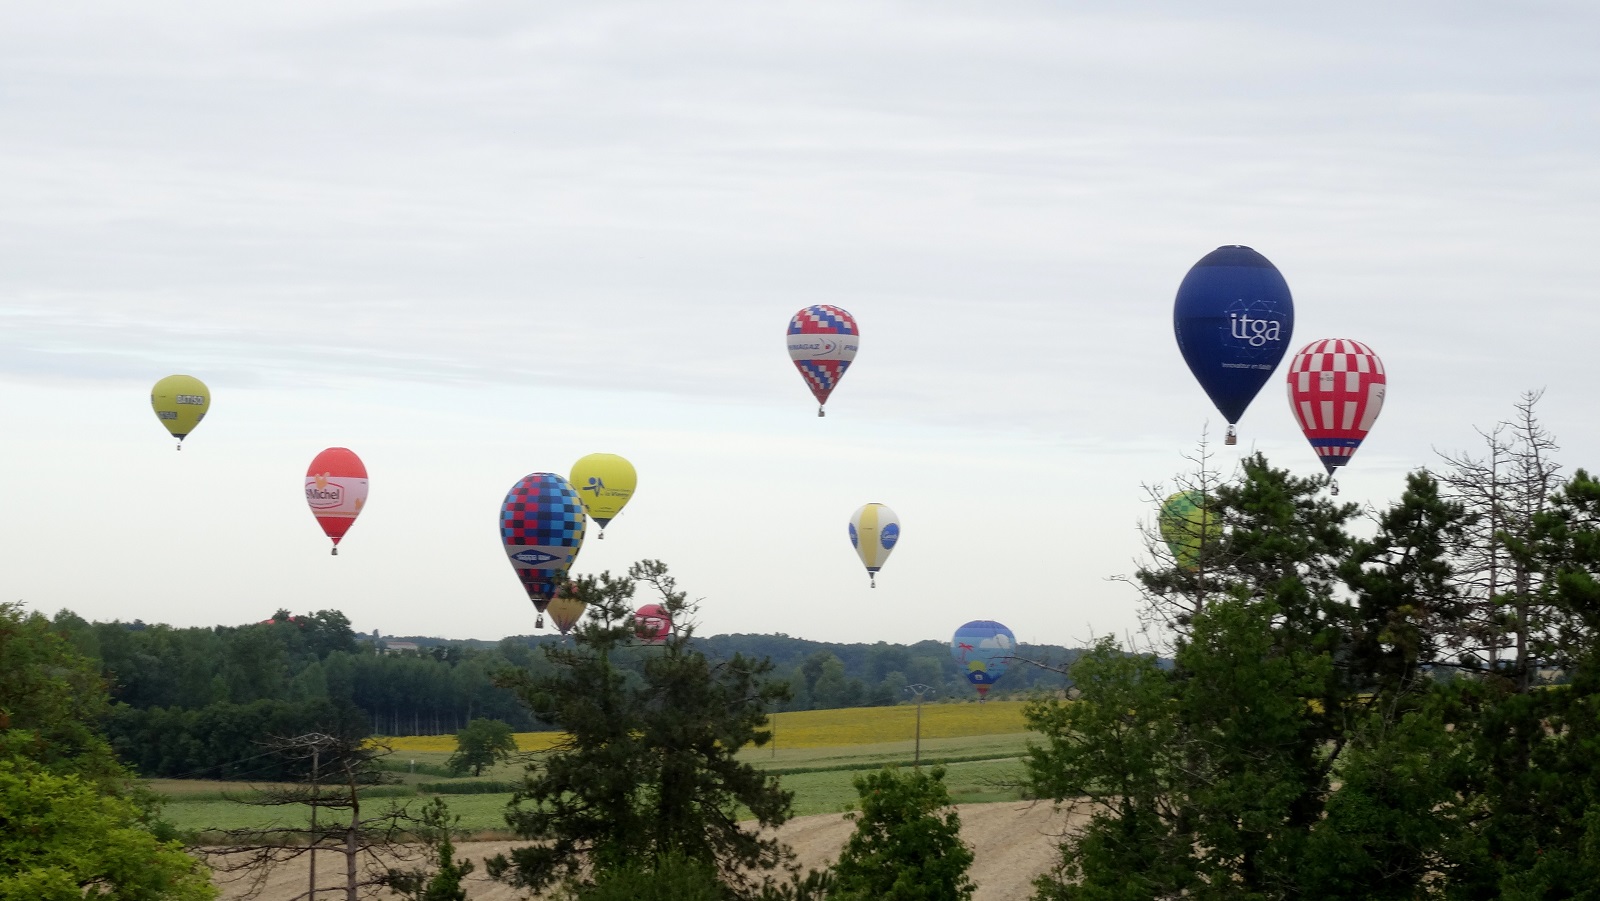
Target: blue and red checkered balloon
(541, 524)
(822, 341)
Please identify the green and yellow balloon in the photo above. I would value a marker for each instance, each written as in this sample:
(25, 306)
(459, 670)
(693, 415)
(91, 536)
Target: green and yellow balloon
(180, 402)
(1187, 527)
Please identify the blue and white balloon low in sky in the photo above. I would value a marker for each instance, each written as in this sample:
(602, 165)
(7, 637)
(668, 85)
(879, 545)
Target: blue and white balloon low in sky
(1233, 319)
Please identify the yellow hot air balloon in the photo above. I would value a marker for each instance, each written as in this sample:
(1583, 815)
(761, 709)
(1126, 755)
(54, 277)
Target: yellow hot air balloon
(564, 611)
(604, 483)
(1187, 527)
(180, 402)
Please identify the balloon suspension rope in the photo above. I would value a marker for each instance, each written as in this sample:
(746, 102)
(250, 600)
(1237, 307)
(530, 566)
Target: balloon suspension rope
(1233, 435)
(820, 411)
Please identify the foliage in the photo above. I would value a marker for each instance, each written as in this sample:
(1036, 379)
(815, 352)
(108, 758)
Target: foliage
(1351, 717)
(483, 743)
(649, 767)
(62, 840)
(903, 848)
(670, 877)
(441, 882)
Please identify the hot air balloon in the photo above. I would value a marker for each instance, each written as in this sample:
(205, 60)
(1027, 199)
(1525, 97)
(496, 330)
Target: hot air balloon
(565, 608)
(822, 341)
(1233, 318)
(874, 530)
(541, 524)
(983, 649)
(604, 483)
(1187, 527)
(652, 623)
(1336, 389)
(336, 491)
(180, 402)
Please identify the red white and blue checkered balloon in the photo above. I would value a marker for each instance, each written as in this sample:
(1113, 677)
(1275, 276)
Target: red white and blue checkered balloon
(1336, 390)
(541, 524)
(822, 341)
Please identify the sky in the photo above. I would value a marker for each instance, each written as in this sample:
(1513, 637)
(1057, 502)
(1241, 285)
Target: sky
(474, 240)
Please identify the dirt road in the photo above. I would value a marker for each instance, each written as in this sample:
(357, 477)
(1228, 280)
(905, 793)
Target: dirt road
(1012, 842)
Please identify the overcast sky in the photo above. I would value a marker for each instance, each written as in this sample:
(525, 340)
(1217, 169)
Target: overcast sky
(471, 241)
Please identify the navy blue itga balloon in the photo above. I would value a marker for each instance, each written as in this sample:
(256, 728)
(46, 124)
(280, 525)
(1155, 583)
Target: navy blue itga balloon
(1233, 318)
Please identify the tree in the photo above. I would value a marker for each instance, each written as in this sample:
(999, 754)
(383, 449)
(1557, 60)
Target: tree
(70, 826)
(903, 847)
(648, 769)
(443, 881)
(1261, 763)
(483, 743)
(61, 839)
(337, 768)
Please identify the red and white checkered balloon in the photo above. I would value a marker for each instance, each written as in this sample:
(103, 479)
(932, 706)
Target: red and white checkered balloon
(1336, 389)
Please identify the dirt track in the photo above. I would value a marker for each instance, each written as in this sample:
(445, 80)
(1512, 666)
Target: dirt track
(1012, 841)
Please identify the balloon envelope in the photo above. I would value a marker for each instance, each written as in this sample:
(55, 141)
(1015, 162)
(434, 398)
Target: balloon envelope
(1336, 390)
(874, 531)
(180, 402)
(1187, 527)
(541, 525)
(983, 648)
(823, 340)
(604, 482)
(1233, 318)
(652, 623)
(565, 610)
(336, 490)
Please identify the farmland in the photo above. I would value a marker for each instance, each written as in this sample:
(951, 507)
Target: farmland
(816, 754)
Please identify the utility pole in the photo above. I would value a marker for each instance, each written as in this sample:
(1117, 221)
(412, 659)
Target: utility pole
(316, 741)
(919, 691)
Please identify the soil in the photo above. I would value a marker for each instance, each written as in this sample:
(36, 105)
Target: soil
(1012, 842)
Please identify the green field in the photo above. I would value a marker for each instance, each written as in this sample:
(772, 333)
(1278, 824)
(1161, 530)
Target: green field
(980, 768)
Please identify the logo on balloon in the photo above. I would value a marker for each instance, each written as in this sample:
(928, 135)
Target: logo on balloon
(1255, 332)
(322, 493)
(196, 399)
(532, 557)
(889, 535)
(820, 347)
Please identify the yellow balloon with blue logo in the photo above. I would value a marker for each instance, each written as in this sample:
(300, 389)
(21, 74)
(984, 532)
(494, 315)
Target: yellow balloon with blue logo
(604, 483)
(1188, 527)
(874, 530)
(180, 402)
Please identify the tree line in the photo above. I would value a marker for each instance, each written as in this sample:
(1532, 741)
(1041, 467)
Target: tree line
(193, 702)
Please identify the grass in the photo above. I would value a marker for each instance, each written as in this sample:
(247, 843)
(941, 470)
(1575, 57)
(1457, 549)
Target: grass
(817, 754)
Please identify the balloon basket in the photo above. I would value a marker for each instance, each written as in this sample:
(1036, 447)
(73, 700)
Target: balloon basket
(821, 412)
(539, 623)
(602, 535)
(1232, 437)
(1333, 486)
(334, 552)
(180, 445)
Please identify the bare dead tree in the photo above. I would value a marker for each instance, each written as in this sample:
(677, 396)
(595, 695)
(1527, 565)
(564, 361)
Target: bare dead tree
(337, 770)
(1503, 624)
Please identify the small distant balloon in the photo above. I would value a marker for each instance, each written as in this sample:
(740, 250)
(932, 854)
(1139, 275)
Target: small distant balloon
(874, 531)
(180, 402)
(541, 526)
(823, 340)
(652, 623)
(1336, 390)
(1233, 318)
(605, 482)
(565, 609)
(983, 649)
(1188, 527)
(336, 491)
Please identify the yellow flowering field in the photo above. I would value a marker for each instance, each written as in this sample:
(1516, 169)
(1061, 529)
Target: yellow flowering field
(822, 728)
